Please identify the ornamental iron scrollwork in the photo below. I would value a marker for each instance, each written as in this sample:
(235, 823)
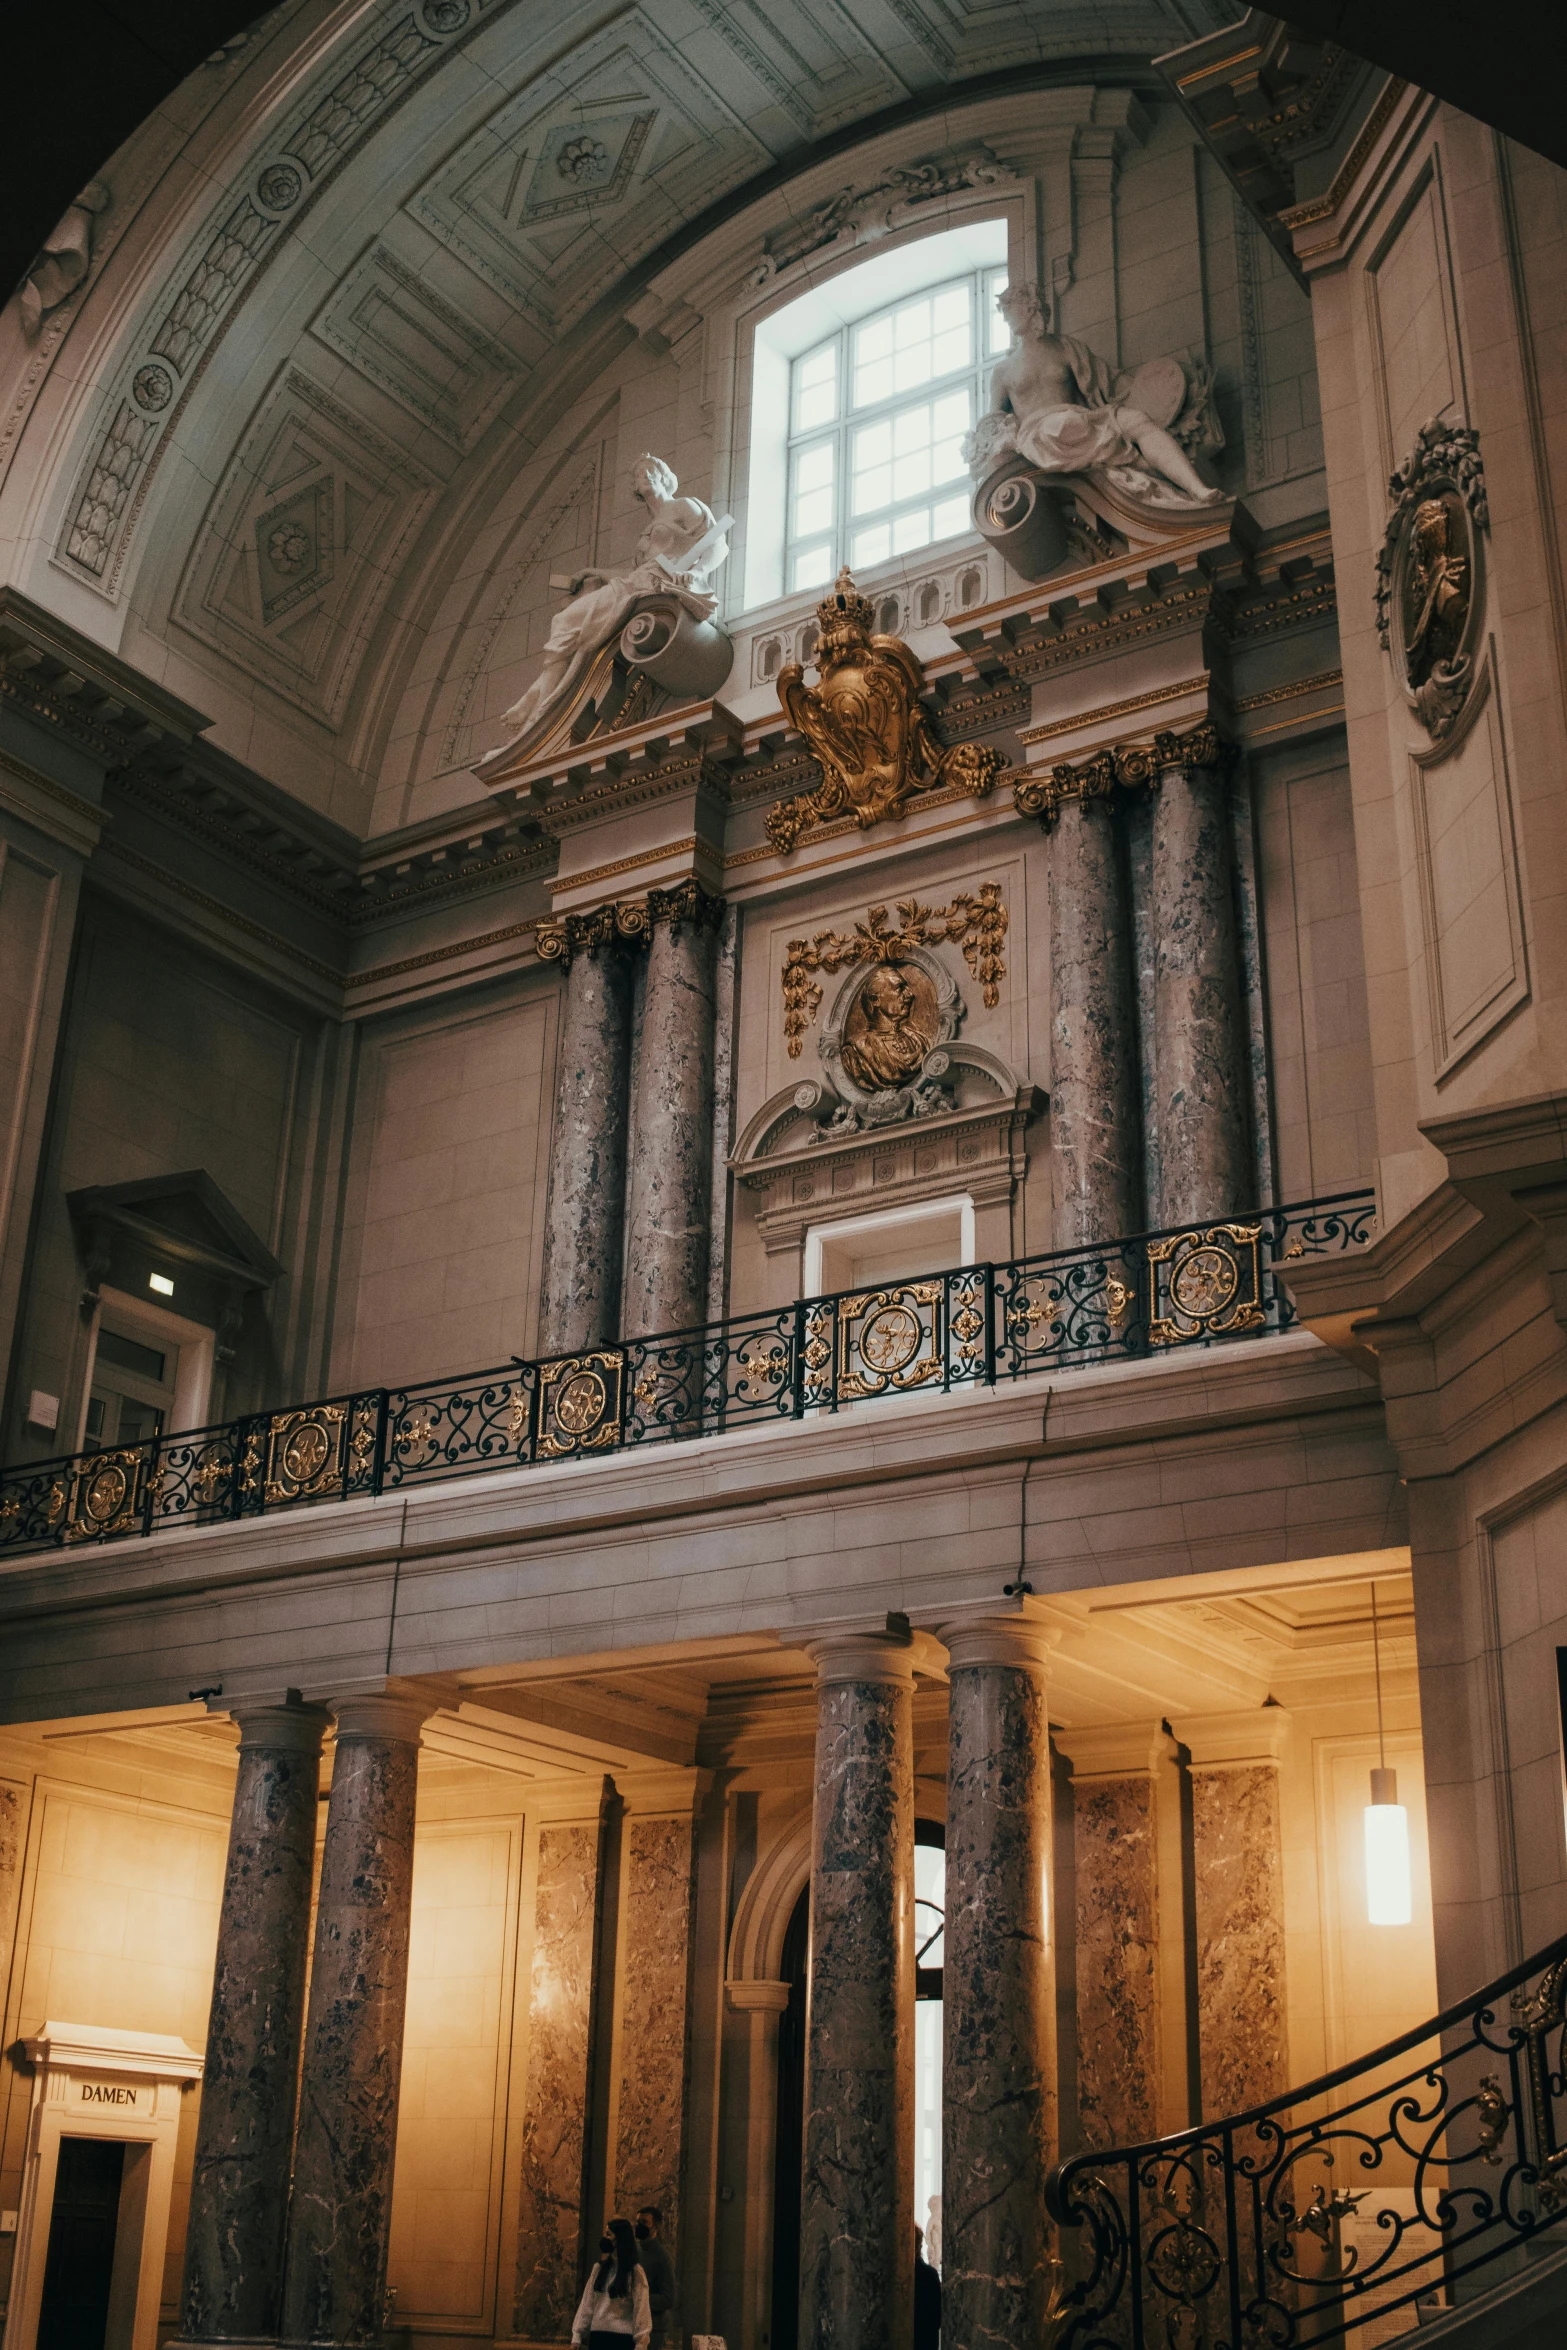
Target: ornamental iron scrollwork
(580, 1403)
(1205, 1283)
(1130, 766)
(866, 727)
(1202, 1285)
(1319, 2217)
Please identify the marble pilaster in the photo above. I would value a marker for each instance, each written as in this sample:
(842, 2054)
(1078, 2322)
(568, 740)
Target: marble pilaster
(1203, 1051)
(655, 1941)
(244, 2139)
(999, 2044)
(1238, 1882)
(560, 2046)
(580, 1296)
(857, 2195)
(1116, 1847)
(1095, 1130)
(672, 1156)
(340, 2215)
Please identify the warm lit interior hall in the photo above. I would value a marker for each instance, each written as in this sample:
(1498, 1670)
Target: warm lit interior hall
(783, 1180)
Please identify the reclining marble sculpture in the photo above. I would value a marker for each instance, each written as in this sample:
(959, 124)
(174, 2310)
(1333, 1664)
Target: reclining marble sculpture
(670, 577)
(1059, 408)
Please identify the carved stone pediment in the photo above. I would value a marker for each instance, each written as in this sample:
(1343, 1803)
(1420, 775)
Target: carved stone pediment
(978, 1148)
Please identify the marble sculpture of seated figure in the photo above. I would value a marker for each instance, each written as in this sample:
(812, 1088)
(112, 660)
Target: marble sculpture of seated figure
(682, 546)
(1053, 401)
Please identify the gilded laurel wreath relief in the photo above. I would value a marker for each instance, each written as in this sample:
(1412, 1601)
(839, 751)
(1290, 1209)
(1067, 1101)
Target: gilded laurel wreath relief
(884, 1045)
(1430, 577)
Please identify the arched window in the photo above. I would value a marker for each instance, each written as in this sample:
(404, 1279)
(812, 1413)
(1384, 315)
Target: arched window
(862, 391)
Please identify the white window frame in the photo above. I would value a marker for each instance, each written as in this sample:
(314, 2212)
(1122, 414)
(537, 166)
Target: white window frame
(194, 1345)
(840, 301)
(842, 541)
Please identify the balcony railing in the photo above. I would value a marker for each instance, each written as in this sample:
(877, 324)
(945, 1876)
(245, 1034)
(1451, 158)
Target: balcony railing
(980, 1324)
(1418, 2175)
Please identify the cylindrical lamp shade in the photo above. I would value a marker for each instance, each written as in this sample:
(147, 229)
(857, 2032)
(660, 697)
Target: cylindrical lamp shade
(1389, 1893)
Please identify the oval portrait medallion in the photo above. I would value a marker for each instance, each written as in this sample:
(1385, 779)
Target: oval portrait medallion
(892, 1024)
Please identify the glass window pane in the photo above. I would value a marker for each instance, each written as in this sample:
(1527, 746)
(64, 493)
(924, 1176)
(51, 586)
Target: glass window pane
(812, 566)
(951, 351)
(813, 511)
(911, 323)
(911, 474)
(873, 341)
(911, 429)
(911, 367)
(872, 382)
(872, 445)
(950, 414)
(952, 517)
(946, 461)
(872, 546)
(820, 367)
(911, 530)
(815, 467)
(816, 405)
(872, 488)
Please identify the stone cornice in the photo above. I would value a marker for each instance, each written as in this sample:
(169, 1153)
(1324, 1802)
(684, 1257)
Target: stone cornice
(97, 701)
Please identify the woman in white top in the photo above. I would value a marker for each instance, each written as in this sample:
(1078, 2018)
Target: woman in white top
(614, 2308)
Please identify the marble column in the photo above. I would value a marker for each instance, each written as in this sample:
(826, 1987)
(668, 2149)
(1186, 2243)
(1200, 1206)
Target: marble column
(334, 2285)
(857, 2190)
(1238, 1885)
(654, 2007)
(245, 2134)
(998, 2130)
(1203, 1057)
(1095, 1129)
(1116, 1843)
(580, 1299)
(672, 1157)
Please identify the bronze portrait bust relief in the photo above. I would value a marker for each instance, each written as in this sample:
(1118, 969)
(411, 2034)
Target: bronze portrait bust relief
(1429, 577)
(890, 1027)
(883, 1047)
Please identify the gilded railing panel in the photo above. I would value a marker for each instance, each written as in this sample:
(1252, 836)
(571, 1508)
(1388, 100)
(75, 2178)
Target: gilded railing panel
(1201, 1285)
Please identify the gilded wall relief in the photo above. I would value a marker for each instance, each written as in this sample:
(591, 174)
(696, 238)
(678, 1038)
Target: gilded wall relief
(1430, 581)
(883, 1049)
(866, 727)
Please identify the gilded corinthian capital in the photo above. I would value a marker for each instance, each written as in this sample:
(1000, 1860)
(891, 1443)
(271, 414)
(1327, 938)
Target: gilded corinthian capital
(1127, 766)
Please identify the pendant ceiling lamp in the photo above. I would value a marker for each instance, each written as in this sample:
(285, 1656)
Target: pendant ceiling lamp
(1389, 1894)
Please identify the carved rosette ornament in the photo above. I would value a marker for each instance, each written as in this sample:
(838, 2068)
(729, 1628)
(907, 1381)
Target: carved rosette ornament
(1127, 766)
(1429, 573)
(866, 727)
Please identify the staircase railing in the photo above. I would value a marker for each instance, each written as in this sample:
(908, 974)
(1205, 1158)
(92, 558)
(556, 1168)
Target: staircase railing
(1327, 2214)
(978, 1324)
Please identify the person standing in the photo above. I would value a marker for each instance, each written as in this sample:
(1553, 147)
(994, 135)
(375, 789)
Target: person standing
(652, 2253)
(927, 2297)
(614, 2305)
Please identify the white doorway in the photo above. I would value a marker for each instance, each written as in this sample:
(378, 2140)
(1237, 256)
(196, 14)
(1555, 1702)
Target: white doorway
(149, 1372)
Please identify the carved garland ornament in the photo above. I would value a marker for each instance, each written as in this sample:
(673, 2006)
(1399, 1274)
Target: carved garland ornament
(866, 727)
(1429, 577)
(977, 923)
(1131, 765)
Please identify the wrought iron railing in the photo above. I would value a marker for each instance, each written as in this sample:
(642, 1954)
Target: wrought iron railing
(980, 1323)
(1413, 2176)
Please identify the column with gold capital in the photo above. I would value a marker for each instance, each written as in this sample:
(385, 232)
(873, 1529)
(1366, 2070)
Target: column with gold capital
(998, 1986)
(667, 1240)
(1203, 1082)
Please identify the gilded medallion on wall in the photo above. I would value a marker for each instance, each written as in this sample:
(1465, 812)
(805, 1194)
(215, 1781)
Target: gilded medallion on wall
(1429, 573)
(866, 727)
(883, 1046)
